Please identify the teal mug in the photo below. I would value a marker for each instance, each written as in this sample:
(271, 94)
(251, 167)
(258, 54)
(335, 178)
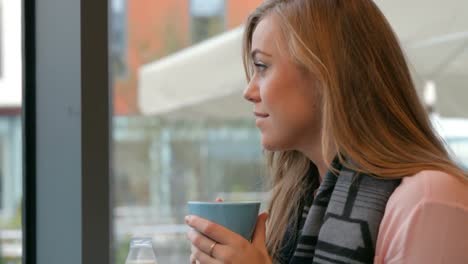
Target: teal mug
(239, 217)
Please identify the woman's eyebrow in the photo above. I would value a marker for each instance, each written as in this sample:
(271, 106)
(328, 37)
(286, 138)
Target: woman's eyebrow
(256, 51)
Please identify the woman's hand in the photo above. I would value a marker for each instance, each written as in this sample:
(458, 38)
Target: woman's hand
(230, 247)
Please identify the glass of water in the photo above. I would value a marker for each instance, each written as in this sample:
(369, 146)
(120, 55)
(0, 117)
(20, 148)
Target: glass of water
(141, 251)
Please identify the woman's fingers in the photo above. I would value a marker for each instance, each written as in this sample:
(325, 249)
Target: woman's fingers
(208, 246)
(201, 242)
(192, 259)
(213, 231)
(260, 231)
(201, 257)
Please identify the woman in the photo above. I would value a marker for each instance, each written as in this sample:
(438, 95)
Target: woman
(357, 173)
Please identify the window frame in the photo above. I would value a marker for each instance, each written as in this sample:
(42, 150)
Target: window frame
(66, 132)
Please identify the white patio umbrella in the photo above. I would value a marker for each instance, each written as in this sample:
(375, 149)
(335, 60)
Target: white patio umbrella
(10, 51)
(434, 35)
(207, 80)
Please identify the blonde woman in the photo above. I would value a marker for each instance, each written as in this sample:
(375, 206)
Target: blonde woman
(357, 173)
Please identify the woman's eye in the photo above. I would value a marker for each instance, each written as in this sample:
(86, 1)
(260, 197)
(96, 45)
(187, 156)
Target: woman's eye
(260, 66)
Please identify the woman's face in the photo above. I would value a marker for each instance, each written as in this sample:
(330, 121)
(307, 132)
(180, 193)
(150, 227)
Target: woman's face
(285, 97)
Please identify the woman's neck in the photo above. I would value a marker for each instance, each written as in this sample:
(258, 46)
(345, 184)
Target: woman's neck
(315, 155)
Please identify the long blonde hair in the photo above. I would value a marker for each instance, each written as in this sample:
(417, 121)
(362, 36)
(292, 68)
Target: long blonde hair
(371, 111)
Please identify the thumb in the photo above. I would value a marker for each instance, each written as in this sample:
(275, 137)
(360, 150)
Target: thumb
(258, 239)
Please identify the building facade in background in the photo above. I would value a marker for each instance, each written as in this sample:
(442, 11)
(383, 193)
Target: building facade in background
(146, 30)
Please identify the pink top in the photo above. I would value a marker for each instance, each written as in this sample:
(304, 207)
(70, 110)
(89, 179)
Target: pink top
(425, 221)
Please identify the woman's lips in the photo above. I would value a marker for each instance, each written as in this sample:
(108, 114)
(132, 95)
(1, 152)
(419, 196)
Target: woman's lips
(262, 115)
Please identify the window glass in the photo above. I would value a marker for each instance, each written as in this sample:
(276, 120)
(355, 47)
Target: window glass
(1, 37)
(10, 132)
(118, 37)
(200, 142)
(207, 18)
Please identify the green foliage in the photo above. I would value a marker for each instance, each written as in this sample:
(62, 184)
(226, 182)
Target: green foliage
(122, 249)
(15, 222)
(9, 261)
(12, 223)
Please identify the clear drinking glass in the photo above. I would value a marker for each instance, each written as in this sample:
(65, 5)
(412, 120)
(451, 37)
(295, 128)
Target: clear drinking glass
(141, 251)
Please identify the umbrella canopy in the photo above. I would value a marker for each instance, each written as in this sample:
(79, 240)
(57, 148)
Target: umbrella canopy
(206, 80)
(434, 35)
(10, 54)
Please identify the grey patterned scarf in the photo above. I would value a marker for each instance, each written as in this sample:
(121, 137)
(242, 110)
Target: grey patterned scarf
(341, 224)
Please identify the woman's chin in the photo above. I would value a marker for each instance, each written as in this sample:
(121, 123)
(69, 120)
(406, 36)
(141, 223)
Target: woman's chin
(276, 145)
(269, 145)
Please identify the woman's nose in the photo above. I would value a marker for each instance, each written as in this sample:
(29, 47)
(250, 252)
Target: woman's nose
(251, 93)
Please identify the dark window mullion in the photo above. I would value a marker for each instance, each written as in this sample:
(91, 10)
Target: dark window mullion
(29, 132)
(66, 132)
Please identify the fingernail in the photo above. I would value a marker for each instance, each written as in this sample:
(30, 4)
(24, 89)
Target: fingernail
(187, 219)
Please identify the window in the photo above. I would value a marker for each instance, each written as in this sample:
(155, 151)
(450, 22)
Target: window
(185, 149)
(459, 146)
(10, 166)
(1, 176)
(180, 127)
(10, 132)
(1, 38)
(207, 18)
(118, 37)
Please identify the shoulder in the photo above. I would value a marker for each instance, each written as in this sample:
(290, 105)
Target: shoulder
(428, 207)
(424, 188)
(429, 186)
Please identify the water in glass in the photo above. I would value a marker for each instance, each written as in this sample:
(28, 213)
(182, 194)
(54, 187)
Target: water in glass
(141, 252)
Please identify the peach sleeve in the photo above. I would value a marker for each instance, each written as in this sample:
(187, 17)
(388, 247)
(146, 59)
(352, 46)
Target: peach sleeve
(425, 221)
